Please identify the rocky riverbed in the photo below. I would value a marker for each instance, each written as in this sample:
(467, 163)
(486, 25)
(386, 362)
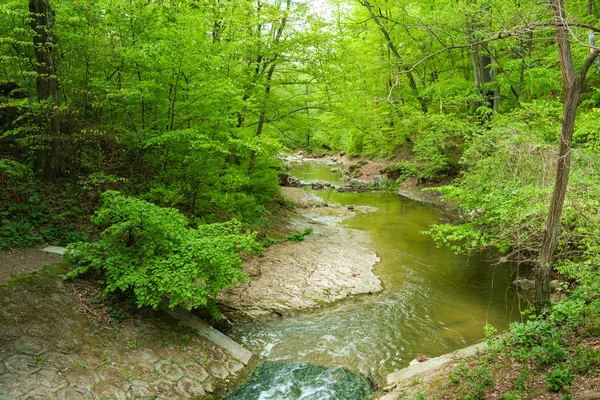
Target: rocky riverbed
(332, 263)
(61, 340)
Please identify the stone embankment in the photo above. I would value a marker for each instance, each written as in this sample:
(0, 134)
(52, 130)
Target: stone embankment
(419, 375)
(58, 341)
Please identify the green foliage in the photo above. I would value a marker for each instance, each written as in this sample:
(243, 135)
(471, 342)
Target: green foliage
(117, 314)
(511, 396)
(299, 236)
(547, 344)
(17, 195)
(154, 253)
(473, 382)
(584, 360)
(438, 146)
(559, 379)
(28, 213)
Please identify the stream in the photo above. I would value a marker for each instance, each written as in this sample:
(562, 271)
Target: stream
(433, 302)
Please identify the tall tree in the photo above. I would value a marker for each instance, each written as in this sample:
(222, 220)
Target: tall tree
(47, 83)
(399, 60)
(573, 83)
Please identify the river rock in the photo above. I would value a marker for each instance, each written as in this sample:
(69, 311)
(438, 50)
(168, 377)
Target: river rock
(354, 185)
(524, 284)
(407, 381)
(286, 179)
(317, 185)
(331, 263)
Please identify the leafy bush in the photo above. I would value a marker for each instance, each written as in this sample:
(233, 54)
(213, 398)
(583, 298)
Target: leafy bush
(18, 205)
(559, 379)
(474, 382)
(153, 252)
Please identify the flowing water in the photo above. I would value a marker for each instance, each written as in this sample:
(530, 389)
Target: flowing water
(433, 301)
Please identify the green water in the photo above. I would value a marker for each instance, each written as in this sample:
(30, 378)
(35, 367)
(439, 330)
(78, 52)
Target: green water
(309, 172)
(434, 301)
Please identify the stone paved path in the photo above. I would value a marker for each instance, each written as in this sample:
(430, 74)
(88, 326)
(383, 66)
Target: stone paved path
(53, 347)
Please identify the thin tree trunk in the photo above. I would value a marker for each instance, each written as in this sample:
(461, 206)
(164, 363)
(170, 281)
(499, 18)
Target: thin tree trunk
(474, 59)
(525, 54)
(263, 115)
(44, 41)
(494, 77)
(572, 84)
(411, 80)
(269, 78)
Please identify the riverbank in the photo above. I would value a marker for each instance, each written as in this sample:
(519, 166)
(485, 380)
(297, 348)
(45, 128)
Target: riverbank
(363, 172)
(332, 263)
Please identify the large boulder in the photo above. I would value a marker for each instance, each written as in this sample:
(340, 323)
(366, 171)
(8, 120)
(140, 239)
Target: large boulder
(317, 185)
(524, 284)
(286, 179)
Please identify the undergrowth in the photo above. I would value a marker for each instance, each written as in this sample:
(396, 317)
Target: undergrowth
(31, 213)
(545, 353)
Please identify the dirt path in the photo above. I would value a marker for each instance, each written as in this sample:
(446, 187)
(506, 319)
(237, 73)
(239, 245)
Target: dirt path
(21, 260)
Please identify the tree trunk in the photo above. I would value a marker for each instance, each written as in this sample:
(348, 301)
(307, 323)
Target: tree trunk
(474, 59)
(44, 41)
(572, 84)
(411, 80)
(269, 78)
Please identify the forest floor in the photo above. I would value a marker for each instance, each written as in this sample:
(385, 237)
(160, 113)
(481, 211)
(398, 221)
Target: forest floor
(62, 340)
(507, 375)
(24, 259)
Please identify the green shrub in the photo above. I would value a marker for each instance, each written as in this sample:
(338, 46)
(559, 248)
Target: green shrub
(19, 205)
(299, 236)
(153, 252)
(511, 396)
(474, 382)
(584, 360)
(559, 379)
(28, 209)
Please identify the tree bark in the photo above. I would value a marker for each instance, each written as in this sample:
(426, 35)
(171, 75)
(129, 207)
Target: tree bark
(474, 59)
(411, 80)
(44, 41)
(572, 85)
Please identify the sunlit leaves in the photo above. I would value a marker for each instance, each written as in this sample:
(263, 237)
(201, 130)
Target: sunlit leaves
(153, 252)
